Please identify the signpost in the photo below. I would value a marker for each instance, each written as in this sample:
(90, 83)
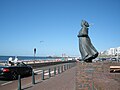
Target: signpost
(34, 53)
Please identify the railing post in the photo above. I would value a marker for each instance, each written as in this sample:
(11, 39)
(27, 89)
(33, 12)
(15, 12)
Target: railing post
(58, 69)
(54, 70)
(43, 75)
(61, 68)
(49, 73)
(19, 82)
(69, 66)
(33, 78)
(65, 67)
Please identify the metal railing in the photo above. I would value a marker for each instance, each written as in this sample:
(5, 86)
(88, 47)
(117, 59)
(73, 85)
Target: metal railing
(56, 70)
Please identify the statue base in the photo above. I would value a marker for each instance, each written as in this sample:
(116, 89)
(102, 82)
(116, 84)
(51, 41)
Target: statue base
(88, 60)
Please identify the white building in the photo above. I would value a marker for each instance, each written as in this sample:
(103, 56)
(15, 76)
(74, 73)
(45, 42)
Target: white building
(112, 51)
(118, 50)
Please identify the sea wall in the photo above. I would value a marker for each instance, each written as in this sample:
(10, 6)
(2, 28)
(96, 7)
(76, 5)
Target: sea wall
(35, 65)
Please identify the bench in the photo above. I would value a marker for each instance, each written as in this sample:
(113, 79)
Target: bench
(115, 69)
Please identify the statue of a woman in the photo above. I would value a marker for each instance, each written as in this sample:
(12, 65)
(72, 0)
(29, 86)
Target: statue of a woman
(87, 50)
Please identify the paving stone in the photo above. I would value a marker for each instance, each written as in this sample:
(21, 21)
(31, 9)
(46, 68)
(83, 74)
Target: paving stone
(96, 76)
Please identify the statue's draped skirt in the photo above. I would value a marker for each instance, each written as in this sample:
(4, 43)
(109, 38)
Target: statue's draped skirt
(86, 48)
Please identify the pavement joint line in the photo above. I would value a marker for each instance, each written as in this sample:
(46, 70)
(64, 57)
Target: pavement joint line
(6, 83)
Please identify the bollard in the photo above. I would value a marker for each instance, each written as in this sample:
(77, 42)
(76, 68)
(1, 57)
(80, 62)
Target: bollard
(65, 67)
(61, 68)
(54, 70)
(68, 66)
(33, 78)
(19, 82)
(43, 75)
(49, 73)
(58, 70)
(71, 65)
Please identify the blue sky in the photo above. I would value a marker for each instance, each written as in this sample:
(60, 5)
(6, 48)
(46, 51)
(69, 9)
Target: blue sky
(25, 23)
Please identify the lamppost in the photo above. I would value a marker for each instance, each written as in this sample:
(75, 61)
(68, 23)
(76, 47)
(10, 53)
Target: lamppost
(34, 53)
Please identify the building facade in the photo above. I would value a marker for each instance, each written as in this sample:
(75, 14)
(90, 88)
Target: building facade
(112, 51)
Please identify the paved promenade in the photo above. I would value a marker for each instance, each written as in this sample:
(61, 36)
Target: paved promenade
(63, 81)
(84, 76)
(97, 76)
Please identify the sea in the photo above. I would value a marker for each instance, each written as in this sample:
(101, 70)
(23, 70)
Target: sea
(5, 58)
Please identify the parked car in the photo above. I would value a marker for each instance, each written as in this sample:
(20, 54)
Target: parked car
(12, 72)
(114, 59)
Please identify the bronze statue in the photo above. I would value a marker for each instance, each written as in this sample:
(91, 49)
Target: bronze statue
(87, 50)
